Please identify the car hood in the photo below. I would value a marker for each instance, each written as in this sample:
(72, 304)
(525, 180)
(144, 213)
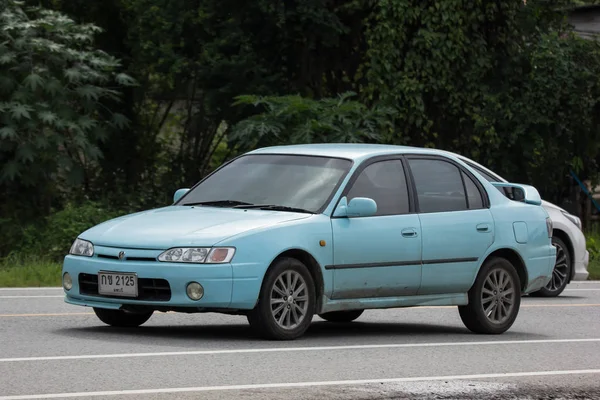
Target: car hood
(182, 226)
(553, 206)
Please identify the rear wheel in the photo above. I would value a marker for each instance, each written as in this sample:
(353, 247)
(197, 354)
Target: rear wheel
(286, 302)
(341, 316)
(494, 299)
(560, 273)
(122, 319)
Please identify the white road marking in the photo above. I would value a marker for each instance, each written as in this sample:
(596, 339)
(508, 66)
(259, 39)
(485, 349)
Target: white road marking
(30, 297)
(300, 384)
(581, 290)
(24, 289)
(294, 349)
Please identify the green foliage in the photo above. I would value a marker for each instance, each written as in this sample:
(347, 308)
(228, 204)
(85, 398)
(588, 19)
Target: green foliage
(501, 82)
(296, 119)
(547, 118)
(593, 246)
(52, 238)
(55, 90)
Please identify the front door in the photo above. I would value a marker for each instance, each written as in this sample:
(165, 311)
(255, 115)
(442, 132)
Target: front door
(378, 256)
(457, 226)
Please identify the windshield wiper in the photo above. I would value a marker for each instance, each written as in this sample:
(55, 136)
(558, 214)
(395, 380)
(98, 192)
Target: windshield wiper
(275, 207)
(220, 203)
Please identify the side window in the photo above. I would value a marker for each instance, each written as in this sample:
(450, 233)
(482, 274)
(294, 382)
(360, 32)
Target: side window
(487, 176)
(473, 194)
(384, 182)
(439, 186)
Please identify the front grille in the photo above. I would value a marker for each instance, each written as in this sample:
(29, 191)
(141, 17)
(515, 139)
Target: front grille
(148, 288)
(147, 259)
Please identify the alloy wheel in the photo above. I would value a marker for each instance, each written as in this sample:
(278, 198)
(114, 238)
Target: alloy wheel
(498, 296)
(560, 272)
(289, 299)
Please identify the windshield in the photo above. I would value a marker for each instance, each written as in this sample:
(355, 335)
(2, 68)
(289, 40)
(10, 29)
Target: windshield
(302, 182)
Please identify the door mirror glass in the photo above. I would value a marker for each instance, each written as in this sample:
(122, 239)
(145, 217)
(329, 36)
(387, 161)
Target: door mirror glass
(179, 194)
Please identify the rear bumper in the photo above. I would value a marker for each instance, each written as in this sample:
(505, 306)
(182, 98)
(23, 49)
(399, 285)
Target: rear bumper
(540, 271)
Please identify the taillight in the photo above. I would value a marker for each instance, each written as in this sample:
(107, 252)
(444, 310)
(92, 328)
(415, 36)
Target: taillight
(549, 226)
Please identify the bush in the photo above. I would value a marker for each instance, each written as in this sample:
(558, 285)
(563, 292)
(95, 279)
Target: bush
(52, 238)
(593, 246)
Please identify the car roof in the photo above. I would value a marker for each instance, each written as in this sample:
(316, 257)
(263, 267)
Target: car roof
(352, 151)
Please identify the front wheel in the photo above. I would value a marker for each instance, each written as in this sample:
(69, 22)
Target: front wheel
(560, 273)
(122, 319)
(494, 299)
(286, 302)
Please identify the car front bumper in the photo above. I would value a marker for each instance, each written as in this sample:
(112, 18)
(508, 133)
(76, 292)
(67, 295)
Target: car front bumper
(221, 289)
(581, 273)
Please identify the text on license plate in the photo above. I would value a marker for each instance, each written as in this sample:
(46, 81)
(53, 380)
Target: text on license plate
(117, 284)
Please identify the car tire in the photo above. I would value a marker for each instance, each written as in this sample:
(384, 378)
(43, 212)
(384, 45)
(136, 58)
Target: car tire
(122, 319)
(560, 273)
(279, 315)
(496, 290)
(342, 316)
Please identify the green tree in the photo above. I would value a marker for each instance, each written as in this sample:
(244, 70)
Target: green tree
(57, 93)
(296, 119)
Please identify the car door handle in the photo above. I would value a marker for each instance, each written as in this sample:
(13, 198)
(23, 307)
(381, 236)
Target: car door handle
(409, 232)
(483, 228)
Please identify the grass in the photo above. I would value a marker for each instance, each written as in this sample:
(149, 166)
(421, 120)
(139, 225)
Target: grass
(592, 237)
(34, 272)
(594, 270)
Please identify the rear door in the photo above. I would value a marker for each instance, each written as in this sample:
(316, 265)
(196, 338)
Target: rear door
(457, 226)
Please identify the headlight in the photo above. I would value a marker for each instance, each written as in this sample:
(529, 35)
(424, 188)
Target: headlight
(572, 218)
(82, 248)
(198, 255)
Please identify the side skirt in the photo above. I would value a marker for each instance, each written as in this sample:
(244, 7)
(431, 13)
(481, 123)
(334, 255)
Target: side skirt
(452, 299)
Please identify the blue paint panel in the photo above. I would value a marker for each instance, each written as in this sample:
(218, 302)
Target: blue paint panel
(453, 235)
(374, 258)
(521, 233)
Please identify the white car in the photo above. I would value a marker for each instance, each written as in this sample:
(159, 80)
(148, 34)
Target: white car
(572, 257)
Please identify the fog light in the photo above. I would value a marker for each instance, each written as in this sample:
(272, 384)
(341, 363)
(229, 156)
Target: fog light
(195, 291)
(67, 281)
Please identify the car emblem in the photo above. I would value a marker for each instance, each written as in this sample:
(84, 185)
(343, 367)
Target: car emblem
(121, 255)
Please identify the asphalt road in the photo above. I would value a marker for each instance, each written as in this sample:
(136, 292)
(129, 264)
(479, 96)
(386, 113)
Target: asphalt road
(49, 349)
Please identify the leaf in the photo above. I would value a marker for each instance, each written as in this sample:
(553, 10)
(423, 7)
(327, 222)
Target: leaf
(89, 92)
(86, 123)
(47, 117)
(125, 80)
(33, 81)
(72, 75)
(25, 153)
(7, 58)
(8, 132)
(10, 171)
(120, 121)
(19, 111)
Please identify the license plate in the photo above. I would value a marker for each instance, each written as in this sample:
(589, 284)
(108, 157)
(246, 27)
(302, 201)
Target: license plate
(117, 284)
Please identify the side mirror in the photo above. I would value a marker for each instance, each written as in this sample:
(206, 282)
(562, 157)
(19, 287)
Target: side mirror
(357, 207)
(179, 194)
(517, 192)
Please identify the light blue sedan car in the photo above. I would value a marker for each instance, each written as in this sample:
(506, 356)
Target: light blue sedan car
(283, 233)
